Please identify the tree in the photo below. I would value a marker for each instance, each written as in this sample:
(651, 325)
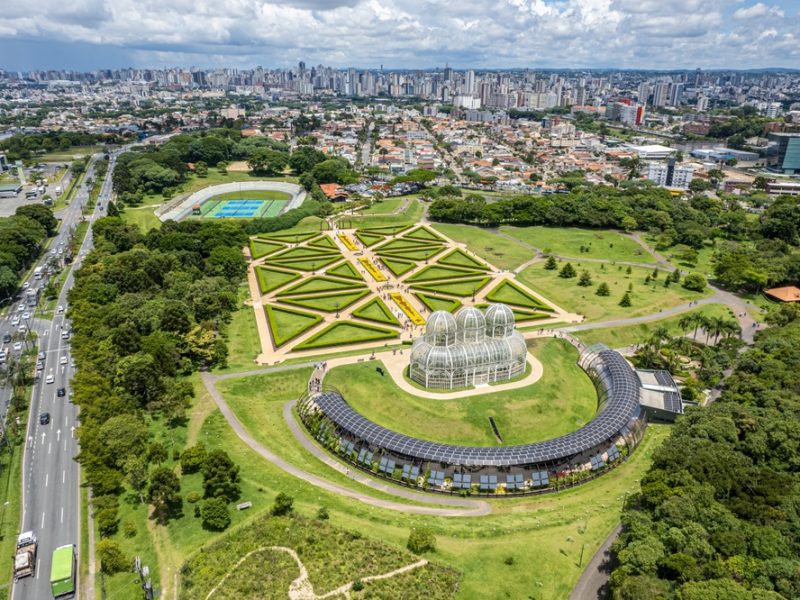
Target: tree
(602, 289)
(283, 505)
(215, 514)
(137, 377)
(107, 521)
(136, 474)
(629, 223)
(694, 282)
(322, 514)
(626, 300)
(201, 169)
(112, 559)
(551, 264)
(192, 459)
(164, 493)
(41, 214)
(157, 453)
(227, 262)
(699, 185)
(585, 279)
(567, 271)
(421, 540)
(220, 476)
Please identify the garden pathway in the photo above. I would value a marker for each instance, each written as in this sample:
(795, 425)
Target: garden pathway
(469, 508)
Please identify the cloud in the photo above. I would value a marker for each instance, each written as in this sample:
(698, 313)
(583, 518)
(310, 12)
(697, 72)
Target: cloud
(411, 33)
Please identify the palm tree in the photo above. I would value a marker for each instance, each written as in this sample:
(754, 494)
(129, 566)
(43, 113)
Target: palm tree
(701, 322)
(686, 322)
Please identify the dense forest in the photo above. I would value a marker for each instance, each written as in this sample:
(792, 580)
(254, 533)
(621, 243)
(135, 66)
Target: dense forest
(28, 146)
(749, 254)
(717, 516)
(22, 238)
(146, 311)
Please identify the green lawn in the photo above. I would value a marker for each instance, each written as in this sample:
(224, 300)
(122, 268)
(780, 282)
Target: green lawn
(568, 241)
(410, 216)
(69, 154)
(271, 278)
(328, 302)
(343, 332)
(10, 501)
(434, 302)
(242, 336)
(645, 299)
(619, 337)
(417, 255)
(368, 239)
(501, 252)
(423, 233)
(288, 323)
(259, 248)
(321, 284)
(313, 263)
(143, 217)
(434, 272)
(404, 244)
(305, 252)
(253, 195)
(398, 267)
(510, 293)
(460, 287)
(345, 269)
(563, 400)
(459, 258)
(377, 311)
(384, 206)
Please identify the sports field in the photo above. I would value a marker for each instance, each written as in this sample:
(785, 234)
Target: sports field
(241, 209)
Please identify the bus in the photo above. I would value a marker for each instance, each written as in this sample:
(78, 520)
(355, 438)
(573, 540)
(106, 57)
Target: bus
(62, 571)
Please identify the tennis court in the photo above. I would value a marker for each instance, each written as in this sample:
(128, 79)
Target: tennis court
(244, 209)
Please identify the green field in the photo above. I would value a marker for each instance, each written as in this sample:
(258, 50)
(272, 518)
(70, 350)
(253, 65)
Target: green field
(141, 216)
(241, 336)
(563, 400)
(259, 248)
(510, 293)
(327, 302)
(398, 267)
(434, 302)
(287, 323)
(410, 216)
(270, 278)
(619, 337)
(501, 252)
(436, 272)
(377, 311)
(568, 241)
(459, 258)
(343, 332)
(346, 269)
(383, 207)
(321, 284)
(254, 195)
(645, 299)
(461, 287)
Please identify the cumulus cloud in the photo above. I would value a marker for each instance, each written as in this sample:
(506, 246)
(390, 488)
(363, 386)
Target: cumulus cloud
(416, 33)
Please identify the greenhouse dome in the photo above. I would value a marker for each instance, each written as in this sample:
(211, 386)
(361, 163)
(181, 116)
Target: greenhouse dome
(468, 349)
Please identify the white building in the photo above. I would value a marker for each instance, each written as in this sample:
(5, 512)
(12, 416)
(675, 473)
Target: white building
(670, 175)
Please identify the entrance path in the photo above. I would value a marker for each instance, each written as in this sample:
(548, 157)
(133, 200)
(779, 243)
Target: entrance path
(470, 508)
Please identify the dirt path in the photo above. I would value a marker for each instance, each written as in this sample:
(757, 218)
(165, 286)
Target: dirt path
(301, 588)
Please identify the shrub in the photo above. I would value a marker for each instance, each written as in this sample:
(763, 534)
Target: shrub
(193, 496)
(567, 271)
(107, 521)
(358, 585)
(283, 505)
(585, 280)
(509, 560)
(112, 560)
(551, 263)
(215, 514)
(420, 540)
(602, 290)
(322, 514)
(129, 529)
(694, 282)
(626, 300)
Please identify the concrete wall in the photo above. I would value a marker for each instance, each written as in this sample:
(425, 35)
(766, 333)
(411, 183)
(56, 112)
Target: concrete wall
(184, 209)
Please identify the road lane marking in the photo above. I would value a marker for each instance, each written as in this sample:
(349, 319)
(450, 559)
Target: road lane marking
(38, 562)
(49, 447)
(43, 435)
(58, 435)
(62, 514)
(46, 479)
(63, 476)
(42, 521)
(65, 444)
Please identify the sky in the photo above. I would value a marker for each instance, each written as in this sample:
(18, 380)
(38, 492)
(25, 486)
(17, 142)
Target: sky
(628, 34)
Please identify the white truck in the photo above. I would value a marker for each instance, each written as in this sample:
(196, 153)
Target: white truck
(25, 559)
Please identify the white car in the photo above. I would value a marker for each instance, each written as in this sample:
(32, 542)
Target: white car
(15, 321)
(17, 346)
(63, 360)
(60, 309)
(26, 316)
(26, 285)
(49, 379)
(20, 308)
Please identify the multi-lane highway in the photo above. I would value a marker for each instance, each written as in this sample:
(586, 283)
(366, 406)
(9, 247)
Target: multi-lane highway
(51, 477)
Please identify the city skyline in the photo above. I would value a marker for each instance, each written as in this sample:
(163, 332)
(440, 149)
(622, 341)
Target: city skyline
(588, 34)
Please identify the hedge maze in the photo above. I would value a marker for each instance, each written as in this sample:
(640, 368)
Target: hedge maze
(325, 290)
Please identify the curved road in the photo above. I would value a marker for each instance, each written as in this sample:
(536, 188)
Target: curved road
(471, 508)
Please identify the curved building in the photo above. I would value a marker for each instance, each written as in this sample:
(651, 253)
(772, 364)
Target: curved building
(468, 349)
(615, 430)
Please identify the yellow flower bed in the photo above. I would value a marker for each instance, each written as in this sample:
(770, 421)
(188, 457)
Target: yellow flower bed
(348, 241)
(373, 270)
(406, 307)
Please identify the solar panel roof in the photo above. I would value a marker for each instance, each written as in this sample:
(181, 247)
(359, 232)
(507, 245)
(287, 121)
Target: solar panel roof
(622, 405)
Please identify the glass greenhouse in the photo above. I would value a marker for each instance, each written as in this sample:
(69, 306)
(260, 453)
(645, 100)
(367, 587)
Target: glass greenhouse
(468, 349)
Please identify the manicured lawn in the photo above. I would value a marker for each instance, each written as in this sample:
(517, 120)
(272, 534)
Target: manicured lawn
(462, 287)
(510, 293)
(323, 241)
(270, 278)
(568, 241)
(328, 302)
(434, 272)
(398, 267)
(312, 263)
(305, 252)
(376, 310)
(619, 337)
(402, 244)
(423, 233)
(410, 216)
(437, 303)
(69, 154)
(143, 217)
(368, 239)
(563, 400)
(459, 258)
(418, 255)
(501, 252)
(288, 236)
(385, 206)
(10, 500)
(346, 269)
(342, 332)
(321, 284)
(287, 323)
(242, 336)
(645, 299)
(260, 248)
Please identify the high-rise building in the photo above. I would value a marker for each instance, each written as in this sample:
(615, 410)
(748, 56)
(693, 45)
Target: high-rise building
(661, 94)
(643, 92)
(786, 158)
(702, 103)
(469, 82)
(670, 175)
(675, 94)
